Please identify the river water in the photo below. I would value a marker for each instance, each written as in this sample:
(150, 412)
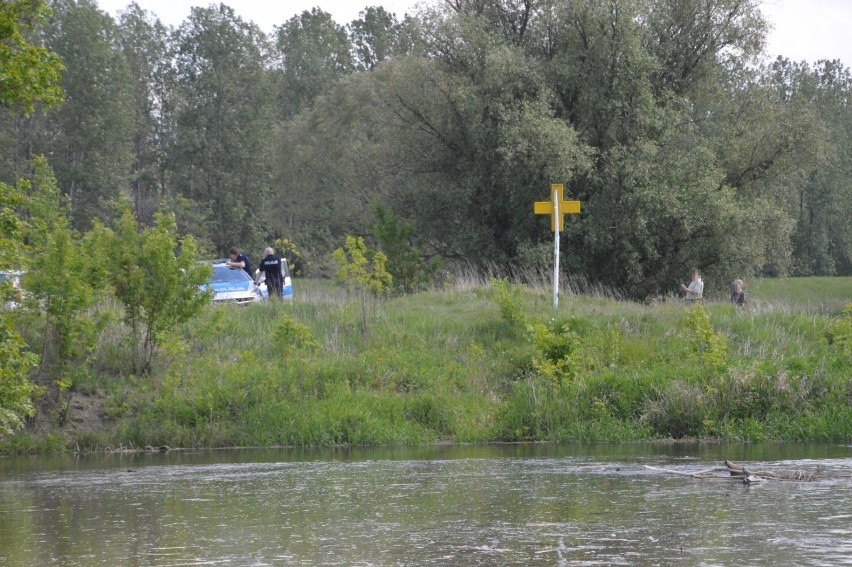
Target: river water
(444, 505)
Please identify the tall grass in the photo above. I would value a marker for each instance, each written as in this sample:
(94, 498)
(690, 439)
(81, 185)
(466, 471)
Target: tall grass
(821, 295)
(474, 362)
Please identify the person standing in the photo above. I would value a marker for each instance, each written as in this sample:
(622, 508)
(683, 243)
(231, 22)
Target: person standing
(738, 296)
(239, 260)
(695, 290)
(270, 266)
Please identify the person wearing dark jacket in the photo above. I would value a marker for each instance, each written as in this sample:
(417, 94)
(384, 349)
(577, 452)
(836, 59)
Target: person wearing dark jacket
(738, 296)
(239, 260)
(270, 266)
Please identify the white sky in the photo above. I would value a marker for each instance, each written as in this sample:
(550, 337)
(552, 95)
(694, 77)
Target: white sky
(804, 29)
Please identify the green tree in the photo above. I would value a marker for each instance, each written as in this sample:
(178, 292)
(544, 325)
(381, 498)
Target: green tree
(88, 140)
(462, 149)
(376, 36)
(315, 53)
(158, 279)
(16, 391)
(12, 227)
(146, 47)
(29, 73)
(363, 271)
(820, 197)
(411, 270)
(30, 77)
(58, 281)
(220, 156)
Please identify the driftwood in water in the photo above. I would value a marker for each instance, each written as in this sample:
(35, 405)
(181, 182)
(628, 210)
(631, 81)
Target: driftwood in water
(748, 476)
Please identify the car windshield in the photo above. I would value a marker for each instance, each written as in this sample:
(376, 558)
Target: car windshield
(225, 274)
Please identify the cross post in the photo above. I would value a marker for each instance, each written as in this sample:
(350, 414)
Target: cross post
(557, 208)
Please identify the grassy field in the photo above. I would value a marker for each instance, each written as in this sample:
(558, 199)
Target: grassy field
(820, 294)
(477, 362)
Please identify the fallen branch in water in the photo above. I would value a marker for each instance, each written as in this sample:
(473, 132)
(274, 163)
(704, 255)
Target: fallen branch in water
(748, 476)
(707, 473)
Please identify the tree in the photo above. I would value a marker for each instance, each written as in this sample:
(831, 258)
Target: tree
(146, 47)
(461, 147)
(30, 73)
(377, 36)
(220, 156)
(16, 390)
(406, 263)
(820, 196)
(363, 271)
(158, 279)
(88, 141)
(57, 279)
(31, 76)
(315, 53)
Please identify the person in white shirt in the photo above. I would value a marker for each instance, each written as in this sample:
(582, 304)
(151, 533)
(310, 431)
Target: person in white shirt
(695, 290)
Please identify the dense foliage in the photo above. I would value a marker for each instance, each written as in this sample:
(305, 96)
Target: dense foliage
(686, 148)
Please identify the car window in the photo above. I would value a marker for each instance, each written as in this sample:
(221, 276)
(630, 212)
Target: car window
(226, 274)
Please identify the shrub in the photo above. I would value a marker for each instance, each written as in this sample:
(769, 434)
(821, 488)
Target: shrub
(506, 296)
(556, 347)
(710, 347)
(289, 334)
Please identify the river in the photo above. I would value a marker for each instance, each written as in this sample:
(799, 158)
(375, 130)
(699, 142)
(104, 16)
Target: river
(595, 504)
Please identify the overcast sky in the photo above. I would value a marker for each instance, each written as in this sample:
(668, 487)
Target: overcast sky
(804, 29)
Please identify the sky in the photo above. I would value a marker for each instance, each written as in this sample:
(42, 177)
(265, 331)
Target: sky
(804, 30)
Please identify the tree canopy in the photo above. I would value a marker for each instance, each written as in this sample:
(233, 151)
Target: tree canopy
(686, 148)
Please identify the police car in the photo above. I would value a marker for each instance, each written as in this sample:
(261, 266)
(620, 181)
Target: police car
(232, 285)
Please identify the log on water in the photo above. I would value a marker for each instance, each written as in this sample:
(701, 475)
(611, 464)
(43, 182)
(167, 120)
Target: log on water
(749, 476)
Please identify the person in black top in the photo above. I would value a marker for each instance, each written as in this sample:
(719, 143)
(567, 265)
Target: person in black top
(271, 268)
(239, 260)
(738, 296)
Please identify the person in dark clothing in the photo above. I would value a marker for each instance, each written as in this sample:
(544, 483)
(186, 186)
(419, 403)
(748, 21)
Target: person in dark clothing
(738, 296)
(270, 266)
(239, 260)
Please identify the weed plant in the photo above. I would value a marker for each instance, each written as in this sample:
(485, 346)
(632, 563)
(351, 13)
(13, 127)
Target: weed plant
(483, 361)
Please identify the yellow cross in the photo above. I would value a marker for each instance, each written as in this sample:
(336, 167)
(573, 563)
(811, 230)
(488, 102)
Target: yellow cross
(565, 207)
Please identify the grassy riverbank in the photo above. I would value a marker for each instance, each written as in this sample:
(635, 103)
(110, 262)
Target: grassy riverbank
(476, 363)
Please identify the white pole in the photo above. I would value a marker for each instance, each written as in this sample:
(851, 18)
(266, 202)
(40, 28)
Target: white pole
(556, 219)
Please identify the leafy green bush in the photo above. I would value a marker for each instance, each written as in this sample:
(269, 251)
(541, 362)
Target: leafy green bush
(411, 270)
(157, 277)
(507, 298)
(557, 351)
(288, 334)
(710, 347)
(16, 391)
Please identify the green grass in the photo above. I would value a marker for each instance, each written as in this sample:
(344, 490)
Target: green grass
(462, 365)
(814, 294)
